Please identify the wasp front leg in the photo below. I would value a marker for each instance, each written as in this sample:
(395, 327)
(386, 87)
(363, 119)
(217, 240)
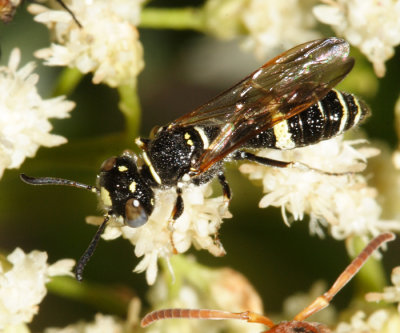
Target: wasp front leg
(176, 213)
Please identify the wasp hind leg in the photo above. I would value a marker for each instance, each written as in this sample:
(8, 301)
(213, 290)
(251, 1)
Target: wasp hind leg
(244, 155)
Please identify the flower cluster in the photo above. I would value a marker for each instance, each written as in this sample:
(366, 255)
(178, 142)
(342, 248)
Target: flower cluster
(344, 203)
(264, 24)
(372, 26)
(24, 115)
(325, 181)
(108, 44)
(375, 323)
(198, 225)
(23, 279)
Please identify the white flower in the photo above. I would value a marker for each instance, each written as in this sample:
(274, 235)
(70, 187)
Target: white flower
(390, 294)
(203, 288)
(198, 225)
(359, 324)
(266, 24)
(372, 26)
(344, 203)
(107, 45)
(24, 114)
(23, 286)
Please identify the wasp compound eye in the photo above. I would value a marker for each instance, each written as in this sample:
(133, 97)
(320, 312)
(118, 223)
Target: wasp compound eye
(135, 214)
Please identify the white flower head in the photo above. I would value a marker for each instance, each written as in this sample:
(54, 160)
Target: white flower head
(23, 286)
(266, 24)
(344, 203)
(24, 114)
(359, 323)
(107, 45)
(198, 225)
(372, 26)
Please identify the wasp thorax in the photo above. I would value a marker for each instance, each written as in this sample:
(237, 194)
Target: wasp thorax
(124, 192)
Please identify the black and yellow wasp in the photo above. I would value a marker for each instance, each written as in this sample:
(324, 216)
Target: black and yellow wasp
(286, 103)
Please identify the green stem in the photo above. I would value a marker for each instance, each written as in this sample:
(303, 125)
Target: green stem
(68, 81)
(103, 298)
(188, 270)
(175, 18)
(130, 106)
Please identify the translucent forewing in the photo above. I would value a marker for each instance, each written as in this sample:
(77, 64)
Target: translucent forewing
(280, 89)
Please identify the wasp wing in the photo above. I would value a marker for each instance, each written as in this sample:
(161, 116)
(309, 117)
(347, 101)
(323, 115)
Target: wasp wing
(278, 90)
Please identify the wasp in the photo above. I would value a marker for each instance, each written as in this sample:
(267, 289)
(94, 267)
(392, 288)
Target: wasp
(298, 324)
(8, 8)
(288, 102)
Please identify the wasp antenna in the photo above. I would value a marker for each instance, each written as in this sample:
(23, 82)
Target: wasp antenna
(56, 181)
(204, 314)
(80, 266)
(323, 301)
(63, 5)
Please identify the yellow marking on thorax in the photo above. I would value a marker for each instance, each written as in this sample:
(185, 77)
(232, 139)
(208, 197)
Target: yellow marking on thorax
(152, 170)
(188, 139)
(132, 187)
(122, 168)
(105, 197)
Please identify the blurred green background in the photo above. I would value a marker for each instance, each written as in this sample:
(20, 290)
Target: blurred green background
(183, 69)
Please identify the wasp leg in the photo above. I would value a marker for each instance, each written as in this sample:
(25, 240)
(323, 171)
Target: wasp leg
(80, 266)
(244, 155)
(176, 213)
(226, 190)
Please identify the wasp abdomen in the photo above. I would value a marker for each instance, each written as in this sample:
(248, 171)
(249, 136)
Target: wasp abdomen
(334, 114)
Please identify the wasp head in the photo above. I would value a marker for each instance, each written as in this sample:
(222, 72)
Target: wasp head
(124, 191)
